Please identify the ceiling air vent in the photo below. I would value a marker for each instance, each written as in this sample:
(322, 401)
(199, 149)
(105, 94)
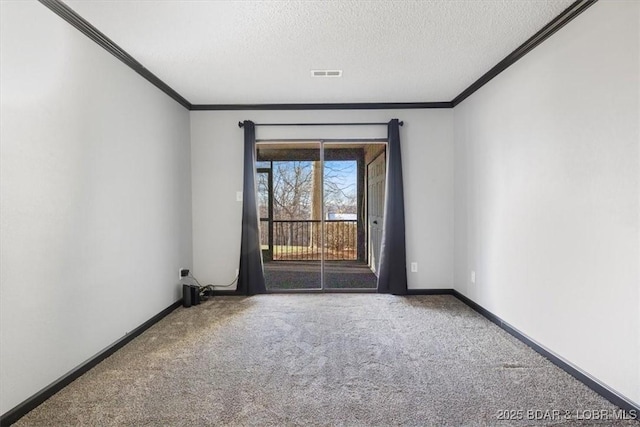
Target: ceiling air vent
(326, 73)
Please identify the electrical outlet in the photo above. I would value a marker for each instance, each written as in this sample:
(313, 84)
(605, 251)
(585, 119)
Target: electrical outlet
(183, 272)
(238, 196)
(473, 277)
(414, 267)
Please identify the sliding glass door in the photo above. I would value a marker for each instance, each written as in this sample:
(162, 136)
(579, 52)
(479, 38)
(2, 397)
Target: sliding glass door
(346, 246)
(314, 219)
(290, 223)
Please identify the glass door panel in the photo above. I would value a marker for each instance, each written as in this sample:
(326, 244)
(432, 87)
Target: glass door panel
(346, 224)
(294, 227)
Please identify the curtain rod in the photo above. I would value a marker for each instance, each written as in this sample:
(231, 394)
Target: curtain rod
(331, 140)
(241, 124)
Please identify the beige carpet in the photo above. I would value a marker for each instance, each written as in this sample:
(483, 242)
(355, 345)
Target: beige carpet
(327, 359)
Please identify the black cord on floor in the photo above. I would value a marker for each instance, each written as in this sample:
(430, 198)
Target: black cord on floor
(210, 287)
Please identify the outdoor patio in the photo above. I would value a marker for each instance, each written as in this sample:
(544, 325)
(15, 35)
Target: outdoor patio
(282, 275)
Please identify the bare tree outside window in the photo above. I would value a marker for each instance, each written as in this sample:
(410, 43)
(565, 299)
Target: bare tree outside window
(297, 192)
(292, 190)
(298, 205)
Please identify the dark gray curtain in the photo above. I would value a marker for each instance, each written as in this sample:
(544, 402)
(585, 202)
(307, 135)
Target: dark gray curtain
(251, 275)
(392, 277)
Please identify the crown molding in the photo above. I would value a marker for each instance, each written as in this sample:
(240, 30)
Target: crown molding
(547, 31)
(82, 25)
(73, 18)
(336, 106)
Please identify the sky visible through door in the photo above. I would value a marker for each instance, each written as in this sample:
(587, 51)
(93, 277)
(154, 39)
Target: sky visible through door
(293, 189)
(312, 206)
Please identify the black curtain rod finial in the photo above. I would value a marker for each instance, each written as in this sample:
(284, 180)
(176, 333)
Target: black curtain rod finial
(401, 123)
(240, 125)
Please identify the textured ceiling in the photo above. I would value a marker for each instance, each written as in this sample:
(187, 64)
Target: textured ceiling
(246, 52)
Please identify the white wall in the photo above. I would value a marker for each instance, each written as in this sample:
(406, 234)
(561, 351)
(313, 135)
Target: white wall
(96, 203)
(547, 172)
(427, 155)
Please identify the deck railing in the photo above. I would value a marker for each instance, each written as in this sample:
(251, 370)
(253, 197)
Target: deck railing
(295, 240)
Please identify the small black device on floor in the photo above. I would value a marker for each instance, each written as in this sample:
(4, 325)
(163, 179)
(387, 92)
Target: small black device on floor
(192, 292)
(186, 295)
(190, 295)
(195, 295)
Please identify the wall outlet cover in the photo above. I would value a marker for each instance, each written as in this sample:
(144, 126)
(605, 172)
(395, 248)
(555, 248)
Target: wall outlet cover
(414, 267)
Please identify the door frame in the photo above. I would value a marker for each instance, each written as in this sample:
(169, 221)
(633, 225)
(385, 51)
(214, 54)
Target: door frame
(361, 183)
(268, 253)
